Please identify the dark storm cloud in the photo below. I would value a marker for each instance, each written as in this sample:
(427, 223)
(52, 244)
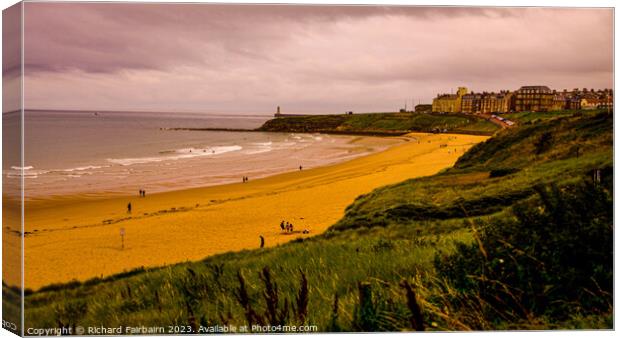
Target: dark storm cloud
(11, 40)
(308, 58)
(11, 59)
(109, 37)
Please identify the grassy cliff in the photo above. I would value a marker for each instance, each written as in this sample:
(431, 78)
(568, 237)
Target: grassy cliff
(421, 254)
(382, 124)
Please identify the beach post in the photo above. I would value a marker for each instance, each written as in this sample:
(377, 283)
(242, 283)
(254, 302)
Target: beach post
(122, 232)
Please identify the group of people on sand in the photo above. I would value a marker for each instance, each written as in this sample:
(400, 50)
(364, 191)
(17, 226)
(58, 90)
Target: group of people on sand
(205, 150)
(141, 193)
(245, 179)
(286, 226)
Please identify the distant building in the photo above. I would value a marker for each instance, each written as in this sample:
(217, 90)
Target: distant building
(502, 102)
(476, 103)
(583, 99)
(471, 103)
(573, 103)
(606, 99)
(526, 98)
(449, 103)
(423, 108)
(589, 103)
(560, 102)
(533, 98)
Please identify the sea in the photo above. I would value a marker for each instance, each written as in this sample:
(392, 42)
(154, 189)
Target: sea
(118, 153)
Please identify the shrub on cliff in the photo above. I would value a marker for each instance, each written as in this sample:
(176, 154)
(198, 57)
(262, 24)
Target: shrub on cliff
(553, 258)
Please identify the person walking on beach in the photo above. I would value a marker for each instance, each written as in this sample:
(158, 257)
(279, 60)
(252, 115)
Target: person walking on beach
(300, 167)
(282, 225)
(129, 208)
(262, 241)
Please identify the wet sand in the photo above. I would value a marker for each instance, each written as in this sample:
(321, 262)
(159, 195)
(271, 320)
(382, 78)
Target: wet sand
(79, 238)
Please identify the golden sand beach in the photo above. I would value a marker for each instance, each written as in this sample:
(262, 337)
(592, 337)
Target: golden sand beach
(79, 238)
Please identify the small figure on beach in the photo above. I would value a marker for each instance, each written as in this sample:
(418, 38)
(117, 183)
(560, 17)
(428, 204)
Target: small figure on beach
(305, 232)
(129, 208)
(143, 193)
(282, 225)
(262, 241)
(140, 192)
(291, 227)
(300, 167)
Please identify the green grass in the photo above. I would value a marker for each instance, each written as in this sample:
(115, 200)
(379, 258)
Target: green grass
(382, 123)
(578, 146)
(388, 236)
(11, 308)
(525, 117)
(333, 266)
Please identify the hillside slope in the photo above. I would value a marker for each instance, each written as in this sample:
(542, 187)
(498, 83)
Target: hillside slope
(494, 174)
(382, 124)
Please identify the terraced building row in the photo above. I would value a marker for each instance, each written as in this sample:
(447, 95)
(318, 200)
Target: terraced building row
(526, 98)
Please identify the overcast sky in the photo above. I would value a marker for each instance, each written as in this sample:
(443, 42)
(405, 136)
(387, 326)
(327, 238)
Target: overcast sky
(234, 58)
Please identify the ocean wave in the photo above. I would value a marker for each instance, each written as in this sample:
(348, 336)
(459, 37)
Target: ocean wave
(257, 151)
(27, 172)
(88, 167)
(306, 138)
(262, 144)
(183, 153)
(259, 148)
